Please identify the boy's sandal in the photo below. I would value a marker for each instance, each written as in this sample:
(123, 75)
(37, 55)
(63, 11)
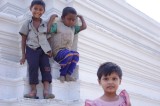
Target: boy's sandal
(49, 96)
(31, 96)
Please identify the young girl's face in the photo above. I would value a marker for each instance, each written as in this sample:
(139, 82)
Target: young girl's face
(37, 10)
(69, 20)
(110, 83)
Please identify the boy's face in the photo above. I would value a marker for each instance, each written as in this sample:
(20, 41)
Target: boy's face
(69, 20)
(37, 10)
(110, 83)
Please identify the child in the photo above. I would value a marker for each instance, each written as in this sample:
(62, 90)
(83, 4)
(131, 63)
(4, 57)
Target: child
(36, 49)
(62, 40)
(109, 77)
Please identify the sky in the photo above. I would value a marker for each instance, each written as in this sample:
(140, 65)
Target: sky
(149, 7)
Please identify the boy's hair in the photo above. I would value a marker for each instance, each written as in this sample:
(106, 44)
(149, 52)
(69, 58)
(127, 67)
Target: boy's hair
(68, 10)
(108, 68)
(37, 2)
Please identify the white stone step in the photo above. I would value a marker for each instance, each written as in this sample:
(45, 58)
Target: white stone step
(14, 82)
(39, 102)
(16, 88)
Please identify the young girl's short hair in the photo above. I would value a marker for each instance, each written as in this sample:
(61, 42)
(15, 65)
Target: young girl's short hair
(38, 2)
(108, 68)
(68, 10)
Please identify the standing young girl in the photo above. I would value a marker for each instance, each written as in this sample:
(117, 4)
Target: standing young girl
(36, 49)
(62, 40)
(109, 77)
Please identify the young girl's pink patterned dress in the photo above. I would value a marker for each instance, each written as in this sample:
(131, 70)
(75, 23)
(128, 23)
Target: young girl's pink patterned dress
(122, 101)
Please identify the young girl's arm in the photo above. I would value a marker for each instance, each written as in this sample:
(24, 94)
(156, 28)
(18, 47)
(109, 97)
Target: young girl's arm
(49, 24)
(83, 26)
(23, 47)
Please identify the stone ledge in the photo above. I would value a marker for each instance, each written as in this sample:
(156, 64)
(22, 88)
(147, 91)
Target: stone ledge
(16, 88)
(39, 102)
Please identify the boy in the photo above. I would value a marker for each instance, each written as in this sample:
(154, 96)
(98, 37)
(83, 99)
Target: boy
(36, 49)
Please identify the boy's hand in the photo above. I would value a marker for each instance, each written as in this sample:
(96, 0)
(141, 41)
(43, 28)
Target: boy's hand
(80, 16)
(83, 26)
(53, 16)
(22, 61)
(51, 20)
(49, 53)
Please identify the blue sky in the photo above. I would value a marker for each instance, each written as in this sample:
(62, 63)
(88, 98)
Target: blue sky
(149, 7)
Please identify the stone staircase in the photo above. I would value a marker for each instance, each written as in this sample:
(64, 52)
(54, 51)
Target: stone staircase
(14, 84)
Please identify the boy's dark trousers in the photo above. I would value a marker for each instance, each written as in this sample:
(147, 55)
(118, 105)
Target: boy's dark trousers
(36, 59)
